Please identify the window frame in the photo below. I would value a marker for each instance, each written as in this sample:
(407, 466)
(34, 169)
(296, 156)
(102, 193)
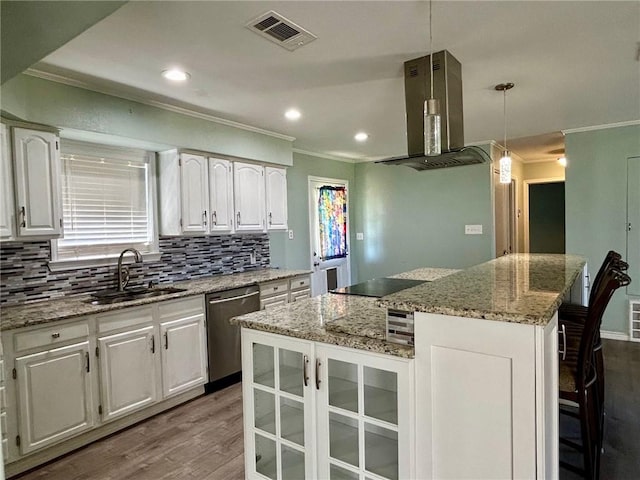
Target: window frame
(95, 150)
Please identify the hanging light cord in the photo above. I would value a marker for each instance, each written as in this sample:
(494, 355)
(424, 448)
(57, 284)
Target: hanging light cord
(504, 103)
(431, 48)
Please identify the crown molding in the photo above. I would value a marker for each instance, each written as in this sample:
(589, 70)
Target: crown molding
(54, 77)
(600, 127)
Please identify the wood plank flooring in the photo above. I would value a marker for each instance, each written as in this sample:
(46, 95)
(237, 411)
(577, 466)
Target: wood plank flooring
(203, 439)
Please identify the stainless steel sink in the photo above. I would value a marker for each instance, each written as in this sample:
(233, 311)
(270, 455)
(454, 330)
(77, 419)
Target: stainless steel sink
(107, 297)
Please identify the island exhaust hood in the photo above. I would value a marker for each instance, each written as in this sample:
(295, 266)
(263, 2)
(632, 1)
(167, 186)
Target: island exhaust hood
(447, 88)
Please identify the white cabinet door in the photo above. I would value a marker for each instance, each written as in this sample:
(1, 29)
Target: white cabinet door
(365, 414)
(127, 372)
(6, 187)
(276, 191)
(278, 393)
(37, 174)
(194, 193)
(184, 354)
(248, 188)
(54, 395)
(220, 195)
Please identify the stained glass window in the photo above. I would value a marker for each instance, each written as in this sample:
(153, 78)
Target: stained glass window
(332, 215)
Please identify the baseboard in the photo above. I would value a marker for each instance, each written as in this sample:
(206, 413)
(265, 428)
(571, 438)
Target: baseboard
(614, 335)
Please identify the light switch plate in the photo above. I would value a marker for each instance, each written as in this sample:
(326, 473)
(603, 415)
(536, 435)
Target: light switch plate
(359, 236)
(290, 234)
(473, 229)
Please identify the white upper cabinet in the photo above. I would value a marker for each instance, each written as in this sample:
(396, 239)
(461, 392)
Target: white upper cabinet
(37, 175)
(194, 193)
(220, 195)
(249, 199)
(276, 190)
(6, 187)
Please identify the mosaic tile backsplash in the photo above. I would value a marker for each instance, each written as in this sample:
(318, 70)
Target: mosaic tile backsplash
(25, 276)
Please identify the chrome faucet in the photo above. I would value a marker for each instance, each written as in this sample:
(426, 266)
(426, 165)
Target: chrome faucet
(123, 272)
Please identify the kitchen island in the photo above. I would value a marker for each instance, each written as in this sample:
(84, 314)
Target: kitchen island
(326, 396)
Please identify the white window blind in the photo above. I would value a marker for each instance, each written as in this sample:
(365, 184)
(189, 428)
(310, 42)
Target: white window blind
(106, 200)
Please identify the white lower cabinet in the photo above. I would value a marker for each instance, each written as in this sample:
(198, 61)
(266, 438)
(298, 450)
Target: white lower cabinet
(54, 395)
(124, 389)
(184, 355)
(313, 410)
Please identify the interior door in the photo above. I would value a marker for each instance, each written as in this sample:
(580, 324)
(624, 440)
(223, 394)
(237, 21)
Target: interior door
(329, 234)
(505, 216)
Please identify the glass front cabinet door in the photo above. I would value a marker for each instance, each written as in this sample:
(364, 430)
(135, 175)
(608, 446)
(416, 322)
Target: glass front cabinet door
(278, 407)
(313, 410)
(364, 410)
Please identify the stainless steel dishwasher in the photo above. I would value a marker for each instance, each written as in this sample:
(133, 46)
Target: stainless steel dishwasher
(223, 339)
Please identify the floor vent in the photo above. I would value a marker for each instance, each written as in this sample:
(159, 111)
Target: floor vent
(280, 30)
(634, 321)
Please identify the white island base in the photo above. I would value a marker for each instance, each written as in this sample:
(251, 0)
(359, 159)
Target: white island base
(487, 398)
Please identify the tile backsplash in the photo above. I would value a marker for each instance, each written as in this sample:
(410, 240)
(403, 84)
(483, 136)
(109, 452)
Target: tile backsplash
(25, 276)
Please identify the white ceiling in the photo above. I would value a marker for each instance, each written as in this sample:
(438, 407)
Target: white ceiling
(574, 65)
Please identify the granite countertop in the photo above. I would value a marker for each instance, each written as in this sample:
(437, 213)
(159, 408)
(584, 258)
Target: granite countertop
(309, 319)
(76, 306)
(520, 288)
(345, 320)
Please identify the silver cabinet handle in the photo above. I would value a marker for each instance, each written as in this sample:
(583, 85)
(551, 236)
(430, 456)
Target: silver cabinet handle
(23, 212)
(214, 218)
(55, 335)
(317, 374)
(153, 344)
(305, 374)
(270, 218)
(563, 350)
(238, 217)
(166, 340)
(86, 356)
(204, 217)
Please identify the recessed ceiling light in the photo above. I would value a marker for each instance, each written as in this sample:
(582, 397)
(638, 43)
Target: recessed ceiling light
(361, 136)
(563, 161)
(176, 75)
(292, 114)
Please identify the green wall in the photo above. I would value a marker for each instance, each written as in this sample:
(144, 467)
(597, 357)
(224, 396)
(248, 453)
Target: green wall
(41, 101)
(596, 203)
(295, 253)
(413, 219)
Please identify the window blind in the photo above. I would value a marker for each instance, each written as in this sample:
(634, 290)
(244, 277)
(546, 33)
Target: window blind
(105, 201)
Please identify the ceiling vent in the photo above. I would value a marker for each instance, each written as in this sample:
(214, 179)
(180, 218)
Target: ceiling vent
(280, 30)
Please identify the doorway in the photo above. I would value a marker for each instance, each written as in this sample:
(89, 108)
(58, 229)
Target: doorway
(329, 234)
(544, 207)
(505, 216)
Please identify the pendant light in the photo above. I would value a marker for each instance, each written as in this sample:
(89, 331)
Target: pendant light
(505, 161)
(432, 135)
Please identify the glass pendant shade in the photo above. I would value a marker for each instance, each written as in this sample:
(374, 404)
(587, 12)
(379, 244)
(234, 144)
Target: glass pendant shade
(505, 167)
(432, 133)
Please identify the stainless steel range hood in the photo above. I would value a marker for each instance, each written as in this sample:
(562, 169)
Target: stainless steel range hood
(447, 87)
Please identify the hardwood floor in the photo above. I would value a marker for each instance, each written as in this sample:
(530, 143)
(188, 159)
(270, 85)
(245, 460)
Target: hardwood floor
(203, 439)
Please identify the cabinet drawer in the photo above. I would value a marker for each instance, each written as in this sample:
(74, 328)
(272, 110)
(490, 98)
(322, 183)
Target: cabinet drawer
(180, 308)
(46, 337)
(2, 377)
(3, 400)
(274, 288)
(274, 301)
(299, 295)
(299, 283)
(125, 318)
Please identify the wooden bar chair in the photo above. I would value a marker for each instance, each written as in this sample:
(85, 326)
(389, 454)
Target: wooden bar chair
(578, 378)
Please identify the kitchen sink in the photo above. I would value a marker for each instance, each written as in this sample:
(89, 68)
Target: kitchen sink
(107, 297)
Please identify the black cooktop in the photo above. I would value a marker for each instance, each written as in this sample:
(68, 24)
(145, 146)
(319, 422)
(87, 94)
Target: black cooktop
(378, 287)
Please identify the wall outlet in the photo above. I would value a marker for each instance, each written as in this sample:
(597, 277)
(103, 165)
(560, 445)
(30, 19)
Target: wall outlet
(473, 229)
(290, 234)
(252, 257)
(359, 236)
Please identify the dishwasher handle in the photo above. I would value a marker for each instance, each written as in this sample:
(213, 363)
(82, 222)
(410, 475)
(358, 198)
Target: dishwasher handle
(223, 300)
